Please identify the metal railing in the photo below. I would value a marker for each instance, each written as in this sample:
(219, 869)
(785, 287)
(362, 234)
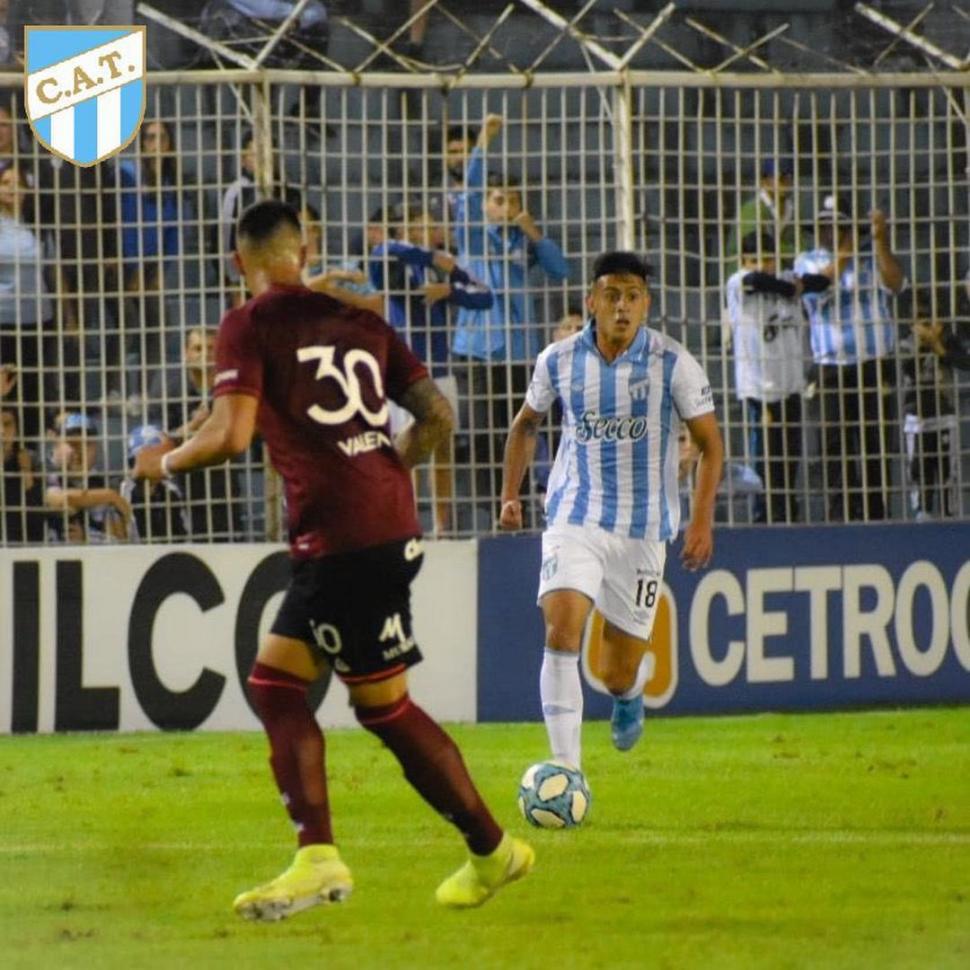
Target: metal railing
(661, 162)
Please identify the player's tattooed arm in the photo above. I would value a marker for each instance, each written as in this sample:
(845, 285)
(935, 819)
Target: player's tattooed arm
(433, 422)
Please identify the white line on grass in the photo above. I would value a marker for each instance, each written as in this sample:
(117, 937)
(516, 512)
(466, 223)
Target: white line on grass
(647, 836)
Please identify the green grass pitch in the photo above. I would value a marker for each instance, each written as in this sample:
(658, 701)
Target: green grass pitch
(775, 841)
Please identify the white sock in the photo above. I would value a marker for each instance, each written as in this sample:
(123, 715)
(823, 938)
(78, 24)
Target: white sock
(644, 673)
(561, 694)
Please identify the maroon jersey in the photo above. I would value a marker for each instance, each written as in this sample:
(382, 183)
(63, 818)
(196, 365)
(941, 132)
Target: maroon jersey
(323, 372)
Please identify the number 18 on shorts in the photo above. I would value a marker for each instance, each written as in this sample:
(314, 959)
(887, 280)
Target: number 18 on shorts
(622, 576)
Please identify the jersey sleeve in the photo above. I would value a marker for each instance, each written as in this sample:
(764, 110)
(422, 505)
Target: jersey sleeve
(239, 364)
(403, 368)
(541, 391)
(691, 388)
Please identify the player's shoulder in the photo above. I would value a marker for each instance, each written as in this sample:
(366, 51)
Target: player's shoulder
(657, 342)
(663, 345)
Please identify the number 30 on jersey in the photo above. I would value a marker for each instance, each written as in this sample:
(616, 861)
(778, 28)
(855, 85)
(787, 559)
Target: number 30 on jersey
(349, 384)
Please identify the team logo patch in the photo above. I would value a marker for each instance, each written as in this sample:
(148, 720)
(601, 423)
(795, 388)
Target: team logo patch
(84, 89)
(639, 390)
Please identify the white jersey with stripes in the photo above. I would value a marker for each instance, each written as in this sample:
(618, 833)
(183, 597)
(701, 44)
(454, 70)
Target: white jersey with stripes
(616, 467)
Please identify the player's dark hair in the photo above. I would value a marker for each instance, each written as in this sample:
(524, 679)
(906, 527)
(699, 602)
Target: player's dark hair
(262, 219)
(620, 262)
(755, 241)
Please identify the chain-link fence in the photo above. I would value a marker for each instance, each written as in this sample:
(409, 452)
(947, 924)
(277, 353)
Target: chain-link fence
(113, 278)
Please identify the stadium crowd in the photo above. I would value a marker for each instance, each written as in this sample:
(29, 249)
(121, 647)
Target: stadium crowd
(113, 279)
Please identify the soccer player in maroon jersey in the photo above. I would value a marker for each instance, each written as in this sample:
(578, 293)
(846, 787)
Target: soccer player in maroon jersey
(315, 375)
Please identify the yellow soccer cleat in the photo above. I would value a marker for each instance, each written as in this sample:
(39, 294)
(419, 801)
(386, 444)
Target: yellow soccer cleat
(316, 876)
(482, 876)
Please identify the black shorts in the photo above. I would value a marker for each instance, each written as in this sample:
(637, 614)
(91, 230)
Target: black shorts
(354, 609)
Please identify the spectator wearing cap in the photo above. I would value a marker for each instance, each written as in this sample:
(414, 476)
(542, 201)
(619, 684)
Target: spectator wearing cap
(853, 336)
(772, 210)
(157, 508)
(89, 511)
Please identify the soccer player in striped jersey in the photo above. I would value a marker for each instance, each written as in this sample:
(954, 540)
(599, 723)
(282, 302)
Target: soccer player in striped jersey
(612, 498)
(853, 336)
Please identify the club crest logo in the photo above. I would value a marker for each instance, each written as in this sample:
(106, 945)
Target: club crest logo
(84, 89)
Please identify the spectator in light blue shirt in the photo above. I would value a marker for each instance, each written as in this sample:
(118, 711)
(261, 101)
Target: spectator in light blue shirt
(499, 242)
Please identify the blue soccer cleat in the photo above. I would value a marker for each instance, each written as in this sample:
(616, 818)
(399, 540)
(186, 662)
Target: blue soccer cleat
(626, 724)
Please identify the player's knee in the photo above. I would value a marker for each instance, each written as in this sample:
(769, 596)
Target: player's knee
(563, 636)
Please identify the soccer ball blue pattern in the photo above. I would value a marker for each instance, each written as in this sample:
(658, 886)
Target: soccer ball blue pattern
(553, 795)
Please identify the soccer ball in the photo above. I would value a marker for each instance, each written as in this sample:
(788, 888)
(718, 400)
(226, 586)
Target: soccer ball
(553, 795)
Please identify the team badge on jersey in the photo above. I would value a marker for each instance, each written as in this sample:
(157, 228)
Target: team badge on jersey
(84, 89)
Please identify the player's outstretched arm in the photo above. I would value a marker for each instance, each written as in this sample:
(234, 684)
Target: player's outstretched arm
(520, 449)
(225, 433)
(433, 422)
(699, 534)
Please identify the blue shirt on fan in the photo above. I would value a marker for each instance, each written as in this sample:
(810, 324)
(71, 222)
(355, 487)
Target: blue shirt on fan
(501, 256)
(424, 328)
(849, 322)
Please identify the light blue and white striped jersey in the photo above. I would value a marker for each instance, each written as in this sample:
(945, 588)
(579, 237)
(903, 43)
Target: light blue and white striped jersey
(852, 322)
(616, 467)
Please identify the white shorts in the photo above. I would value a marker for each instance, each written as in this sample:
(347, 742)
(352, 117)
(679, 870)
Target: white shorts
(622, 576)
(401, 418)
